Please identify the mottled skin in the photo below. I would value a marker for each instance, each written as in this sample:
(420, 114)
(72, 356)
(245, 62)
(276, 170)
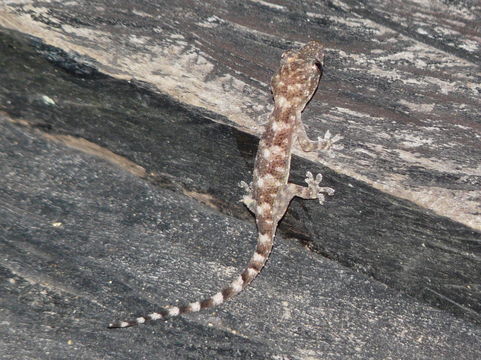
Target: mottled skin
(270, 192)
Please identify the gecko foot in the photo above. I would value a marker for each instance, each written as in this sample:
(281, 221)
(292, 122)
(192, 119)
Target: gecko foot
(248, 199)
(328, 142)
(315, 189)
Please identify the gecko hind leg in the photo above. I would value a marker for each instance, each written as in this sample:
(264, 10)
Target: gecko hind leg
(248, 199)
(311, 191)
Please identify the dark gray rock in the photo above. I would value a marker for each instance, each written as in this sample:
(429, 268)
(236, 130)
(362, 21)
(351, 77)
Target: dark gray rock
(116, 199)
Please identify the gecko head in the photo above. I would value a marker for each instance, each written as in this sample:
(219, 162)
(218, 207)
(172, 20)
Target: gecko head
(313, 51)
(299, 74)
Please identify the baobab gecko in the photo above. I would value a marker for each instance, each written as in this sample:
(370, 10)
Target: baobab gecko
(270, 193)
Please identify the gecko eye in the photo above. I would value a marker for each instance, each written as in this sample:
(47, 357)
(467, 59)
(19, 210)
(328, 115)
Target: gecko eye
(317, 65)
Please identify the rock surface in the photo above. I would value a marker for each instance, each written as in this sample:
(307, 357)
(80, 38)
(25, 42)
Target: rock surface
(118, 196)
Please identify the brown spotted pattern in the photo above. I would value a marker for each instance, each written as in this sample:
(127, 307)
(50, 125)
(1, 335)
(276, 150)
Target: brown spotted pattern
(270, 193)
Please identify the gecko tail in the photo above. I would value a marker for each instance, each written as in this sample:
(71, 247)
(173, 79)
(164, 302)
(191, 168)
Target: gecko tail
(253, 268)
(163, 314)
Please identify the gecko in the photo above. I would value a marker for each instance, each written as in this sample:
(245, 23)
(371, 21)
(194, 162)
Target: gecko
(269, 193)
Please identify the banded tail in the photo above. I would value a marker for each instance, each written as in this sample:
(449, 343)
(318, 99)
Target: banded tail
(253, 268)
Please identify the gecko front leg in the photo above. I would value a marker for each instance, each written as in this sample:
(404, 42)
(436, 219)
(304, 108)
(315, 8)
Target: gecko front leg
(326, 143)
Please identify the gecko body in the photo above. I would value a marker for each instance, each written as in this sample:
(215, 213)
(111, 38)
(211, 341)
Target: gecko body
(270, 193)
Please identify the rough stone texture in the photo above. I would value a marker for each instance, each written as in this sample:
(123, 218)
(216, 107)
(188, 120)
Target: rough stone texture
(117, 196)
(402, 82)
